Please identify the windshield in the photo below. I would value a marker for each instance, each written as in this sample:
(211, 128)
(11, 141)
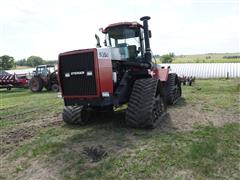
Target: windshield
(45, 70)
(125, 37)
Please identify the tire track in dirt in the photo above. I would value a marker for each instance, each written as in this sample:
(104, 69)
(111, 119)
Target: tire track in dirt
(25, 131)
(187, 117)
(21, 114)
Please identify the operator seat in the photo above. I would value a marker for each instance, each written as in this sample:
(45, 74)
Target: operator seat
(132, 51)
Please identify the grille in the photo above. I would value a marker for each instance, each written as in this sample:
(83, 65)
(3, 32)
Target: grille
(77, 74)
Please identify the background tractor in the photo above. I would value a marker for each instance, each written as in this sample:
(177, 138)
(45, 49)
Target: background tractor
(44, 76)
(120, 73)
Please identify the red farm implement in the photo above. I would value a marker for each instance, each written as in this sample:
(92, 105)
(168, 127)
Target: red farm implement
(13, 81)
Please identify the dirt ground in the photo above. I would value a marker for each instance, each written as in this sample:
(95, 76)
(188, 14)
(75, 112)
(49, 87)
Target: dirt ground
(25, 131)
(179, 119)
(184, 118)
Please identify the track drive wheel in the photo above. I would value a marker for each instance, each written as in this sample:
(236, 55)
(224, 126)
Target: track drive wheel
(173, 89)
(77, 115)
(36, 84)
(146, 107)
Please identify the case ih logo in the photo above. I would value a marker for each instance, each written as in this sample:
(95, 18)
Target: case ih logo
(74, 73)
(77, 73)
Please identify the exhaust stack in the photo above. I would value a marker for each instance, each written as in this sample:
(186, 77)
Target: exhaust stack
(148, 54)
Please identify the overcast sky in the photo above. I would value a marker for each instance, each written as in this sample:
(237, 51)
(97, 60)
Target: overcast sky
(47, 27)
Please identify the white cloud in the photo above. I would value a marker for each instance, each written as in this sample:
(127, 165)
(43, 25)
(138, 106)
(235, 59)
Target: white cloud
(221, 35)
(46, 28)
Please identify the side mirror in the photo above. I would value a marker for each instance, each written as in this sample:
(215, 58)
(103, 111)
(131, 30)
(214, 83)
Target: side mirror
(150, 33)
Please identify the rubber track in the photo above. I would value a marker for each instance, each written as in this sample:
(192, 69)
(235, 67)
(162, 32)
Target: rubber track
(73, 115)
(139, 112)
(170, 89)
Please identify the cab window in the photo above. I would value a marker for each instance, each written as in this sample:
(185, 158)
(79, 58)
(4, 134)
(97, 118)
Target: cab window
(126, 37)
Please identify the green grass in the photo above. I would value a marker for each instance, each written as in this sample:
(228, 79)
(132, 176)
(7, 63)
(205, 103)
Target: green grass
(206, 152)
(219, 93)
(21, 105)
(204, 58)
(203, 152)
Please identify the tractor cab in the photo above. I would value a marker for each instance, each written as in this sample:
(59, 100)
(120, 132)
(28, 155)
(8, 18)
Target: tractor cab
(125, 40)
(44, 70)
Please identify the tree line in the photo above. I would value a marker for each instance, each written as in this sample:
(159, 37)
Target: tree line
(165, 58)
(231, 57)
(8, 62)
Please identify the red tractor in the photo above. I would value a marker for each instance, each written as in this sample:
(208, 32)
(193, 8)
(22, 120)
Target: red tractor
(44, 76)
(120, 73)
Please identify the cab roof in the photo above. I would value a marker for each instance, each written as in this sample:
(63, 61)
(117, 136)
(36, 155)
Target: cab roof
(123, 24)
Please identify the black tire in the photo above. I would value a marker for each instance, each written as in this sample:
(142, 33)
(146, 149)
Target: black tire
(173, 90)
(190, 82)
(76, 115)
(146, 107)
(36, 84)
(55, 88)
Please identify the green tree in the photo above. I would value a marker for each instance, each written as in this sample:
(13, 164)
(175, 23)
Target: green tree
(21, 62)
(34, 61)
(6, 62)
(50, 62)
(166, 58)
(171, 54)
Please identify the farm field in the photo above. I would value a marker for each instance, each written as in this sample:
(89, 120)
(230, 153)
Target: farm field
(23, 67)
(207, 58)
(199, 138)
